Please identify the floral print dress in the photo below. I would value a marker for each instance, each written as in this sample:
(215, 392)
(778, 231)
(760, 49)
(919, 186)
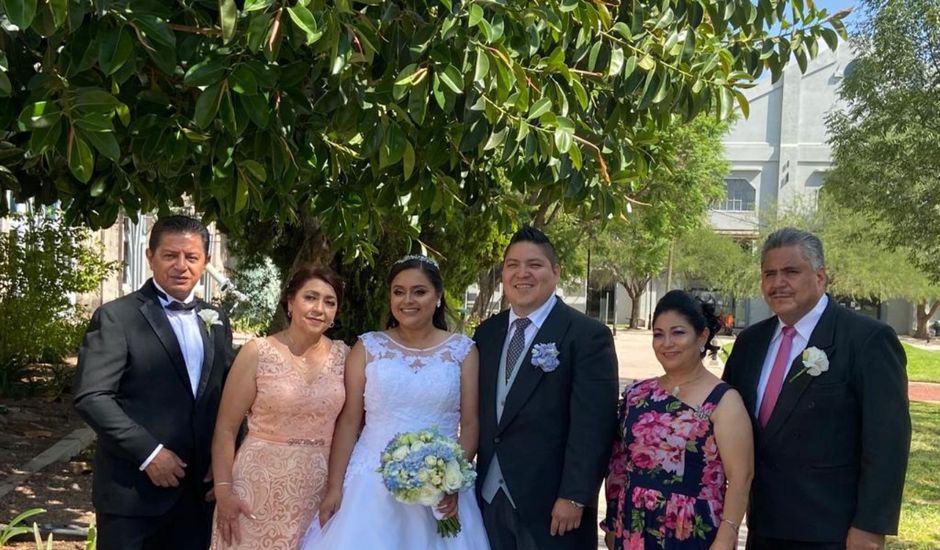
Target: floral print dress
(666, 485)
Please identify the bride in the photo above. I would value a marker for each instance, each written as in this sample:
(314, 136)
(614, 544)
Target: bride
(413, 376)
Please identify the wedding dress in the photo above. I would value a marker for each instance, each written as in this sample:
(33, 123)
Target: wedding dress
(406, 390)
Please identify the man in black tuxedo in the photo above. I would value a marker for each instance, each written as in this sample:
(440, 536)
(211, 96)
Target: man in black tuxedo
(547, 419)
(827, 389)
(149, 380)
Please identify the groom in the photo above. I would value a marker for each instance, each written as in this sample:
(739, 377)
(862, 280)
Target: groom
(548, 402)
(828, 393)
(149, 380)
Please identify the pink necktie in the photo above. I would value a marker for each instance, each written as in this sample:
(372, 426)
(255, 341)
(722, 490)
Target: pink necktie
(777, 375)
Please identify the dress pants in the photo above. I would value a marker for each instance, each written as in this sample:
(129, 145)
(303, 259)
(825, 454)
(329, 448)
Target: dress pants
(756, 542)
(504, 528)
(185, 526)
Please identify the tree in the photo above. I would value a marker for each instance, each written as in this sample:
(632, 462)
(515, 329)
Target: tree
(718, 261)
(884, 142)
(632, 250)
(347, 128)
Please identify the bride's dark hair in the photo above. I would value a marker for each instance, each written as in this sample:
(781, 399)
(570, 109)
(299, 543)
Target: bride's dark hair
(431, 270)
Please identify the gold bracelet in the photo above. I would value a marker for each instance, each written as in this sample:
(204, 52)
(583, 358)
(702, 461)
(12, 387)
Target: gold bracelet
(217, 483)
(735, 526)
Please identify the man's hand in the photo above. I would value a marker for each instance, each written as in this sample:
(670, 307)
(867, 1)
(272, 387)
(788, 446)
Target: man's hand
(863, 540)
(565, 517)
(166, 469)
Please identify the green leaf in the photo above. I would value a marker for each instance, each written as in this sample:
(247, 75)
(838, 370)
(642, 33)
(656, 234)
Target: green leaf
(104, 142)
(574, 153)
(254, 5)
(742, 103)
(831, 38)
(580, 93)
(154, 31)
(593, 55)
(539, 108)
(96, 100)
(81, 159)
(623, 30)
(205, 73)
(256, 169)
(115, 50)
(60, 11)
(20, 12)
(228, 15)
(208, 105)
(41, 139)
(616, 62)
(393, 146)
(482, 67)
(418, 101)
(6, 87)
(452, 78)
(476, 14)
(408, 161)
(303, 18)
(124, 114)
(243, 81)
(42, 114)
(241, 194)
(258, 110)
(564, 134)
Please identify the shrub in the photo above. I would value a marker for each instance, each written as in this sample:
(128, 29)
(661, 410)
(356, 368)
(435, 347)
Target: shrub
(260, 282)
(44, 264)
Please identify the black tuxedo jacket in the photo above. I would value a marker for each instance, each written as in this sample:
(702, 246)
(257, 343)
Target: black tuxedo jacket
(133, 389)
(555, 434)
(834, 451)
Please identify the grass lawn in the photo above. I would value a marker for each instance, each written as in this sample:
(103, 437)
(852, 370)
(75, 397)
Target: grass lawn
(920, 513)
(922, 365)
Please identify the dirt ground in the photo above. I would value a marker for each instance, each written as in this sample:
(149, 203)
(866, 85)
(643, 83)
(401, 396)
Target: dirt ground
(29, 426)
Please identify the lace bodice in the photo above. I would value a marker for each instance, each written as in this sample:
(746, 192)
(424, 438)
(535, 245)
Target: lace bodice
(408, 389)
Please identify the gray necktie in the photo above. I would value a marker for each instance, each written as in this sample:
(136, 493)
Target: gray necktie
(516, 345)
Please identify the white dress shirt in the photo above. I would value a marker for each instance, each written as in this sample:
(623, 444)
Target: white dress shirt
(185, 326)
(536, 318)
(804, 328)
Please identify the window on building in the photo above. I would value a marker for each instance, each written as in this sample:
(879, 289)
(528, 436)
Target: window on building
(739, 196)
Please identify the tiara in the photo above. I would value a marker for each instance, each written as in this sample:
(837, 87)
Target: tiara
(419, 258)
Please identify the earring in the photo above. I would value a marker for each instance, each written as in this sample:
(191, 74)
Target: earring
(438, 303)
(702, 349)
(331, 324)
(289, 314)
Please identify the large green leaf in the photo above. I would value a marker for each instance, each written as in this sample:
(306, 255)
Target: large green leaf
(206, 72)
(81, 158)
(20, 12)
(228, 16)
(114, 50)
(41, 114)
(104, 142)
(208, 105)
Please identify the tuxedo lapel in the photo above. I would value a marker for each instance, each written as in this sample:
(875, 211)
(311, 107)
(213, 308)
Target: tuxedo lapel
(793, 388)
(490, 346)
(528, 377)
(209, 337)
(156, 317)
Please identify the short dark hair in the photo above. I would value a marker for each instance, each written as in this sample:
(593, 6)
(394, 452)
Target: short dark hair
(431, 270)
(529, 234)
(177, 225)
(701, 315)
(304, 274)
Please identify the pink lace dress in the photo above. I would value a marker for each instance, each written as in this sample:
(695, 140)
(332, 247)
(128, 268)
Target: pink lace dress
(280, 467)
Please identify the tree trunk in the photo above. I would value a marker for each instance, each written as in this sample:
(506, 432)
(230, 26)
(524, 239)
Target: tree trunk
(925, 311)
(635, 290)
(486, 282)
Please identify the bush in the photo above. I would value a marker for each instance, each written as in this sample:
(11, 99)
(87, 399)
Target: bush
(43, 265)
(260, 282)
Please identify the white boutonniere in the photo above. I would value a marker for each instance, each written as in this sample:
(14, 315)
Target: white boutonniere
(545, 356)
(210, 318)
(815, 362)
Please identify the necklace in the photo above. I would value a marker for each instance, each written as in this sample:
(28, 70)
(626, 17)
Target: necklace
(677, 387)
(302, 357)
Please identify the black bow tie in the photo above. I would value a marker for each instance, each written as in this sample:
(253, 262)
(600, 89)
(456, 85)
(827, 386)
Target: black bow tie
(180, 306)
(176, 305)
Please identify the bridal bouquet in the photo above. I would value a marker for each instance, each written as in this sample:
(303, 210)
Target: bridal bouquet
(422, 468)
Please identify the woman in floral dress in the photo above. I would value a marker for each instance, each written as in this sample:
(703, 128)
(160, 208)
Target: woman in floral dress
(681, 471)
(290, 385)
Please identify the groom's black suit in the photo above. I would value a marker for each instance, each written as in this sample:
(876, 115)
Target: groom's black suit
(555, 434)
(834, 452)
(133, 389)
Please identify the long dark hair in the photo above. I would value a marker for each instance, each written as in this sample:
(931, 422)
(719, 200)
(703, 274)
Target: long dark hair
(699, 314)
(431, 270)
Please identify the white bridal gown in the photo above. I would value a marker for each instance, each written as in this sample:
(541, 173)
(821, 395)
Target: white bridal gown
(406, 390)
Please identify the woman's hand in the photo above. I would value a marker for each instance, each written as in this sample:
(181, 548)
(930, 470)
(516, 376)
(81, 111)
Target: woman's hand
(447, 506)
(228, 507)
(330, 505)
(609, 540)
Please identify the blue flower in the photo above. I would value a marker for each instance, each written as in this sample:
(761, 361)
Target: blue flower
(545, 356)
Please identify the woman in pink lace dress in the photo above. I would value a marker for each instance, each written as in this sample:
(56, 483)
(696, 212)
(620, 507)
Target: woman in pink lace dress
(290, 385)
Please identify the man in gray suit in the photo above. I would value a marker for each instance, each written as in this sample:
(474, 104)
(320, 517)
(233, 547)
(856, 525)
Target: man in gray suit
(548, 406)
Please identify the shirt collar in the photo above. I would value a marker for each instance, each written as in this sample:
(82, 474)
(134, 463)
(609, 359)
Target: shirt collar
(804, 327)
(166, 299)
(538, 316)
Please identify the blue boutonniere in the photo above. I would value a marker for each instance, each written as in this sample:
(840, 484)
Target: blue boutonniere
(545, 356)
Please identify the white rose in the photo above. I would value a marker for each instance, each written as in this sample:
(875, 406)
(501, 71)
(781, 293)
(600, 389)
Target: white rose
(400, 453)
(452, 478)
(815, 361)
(417, 445)
(429, 496)
(210, 317)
